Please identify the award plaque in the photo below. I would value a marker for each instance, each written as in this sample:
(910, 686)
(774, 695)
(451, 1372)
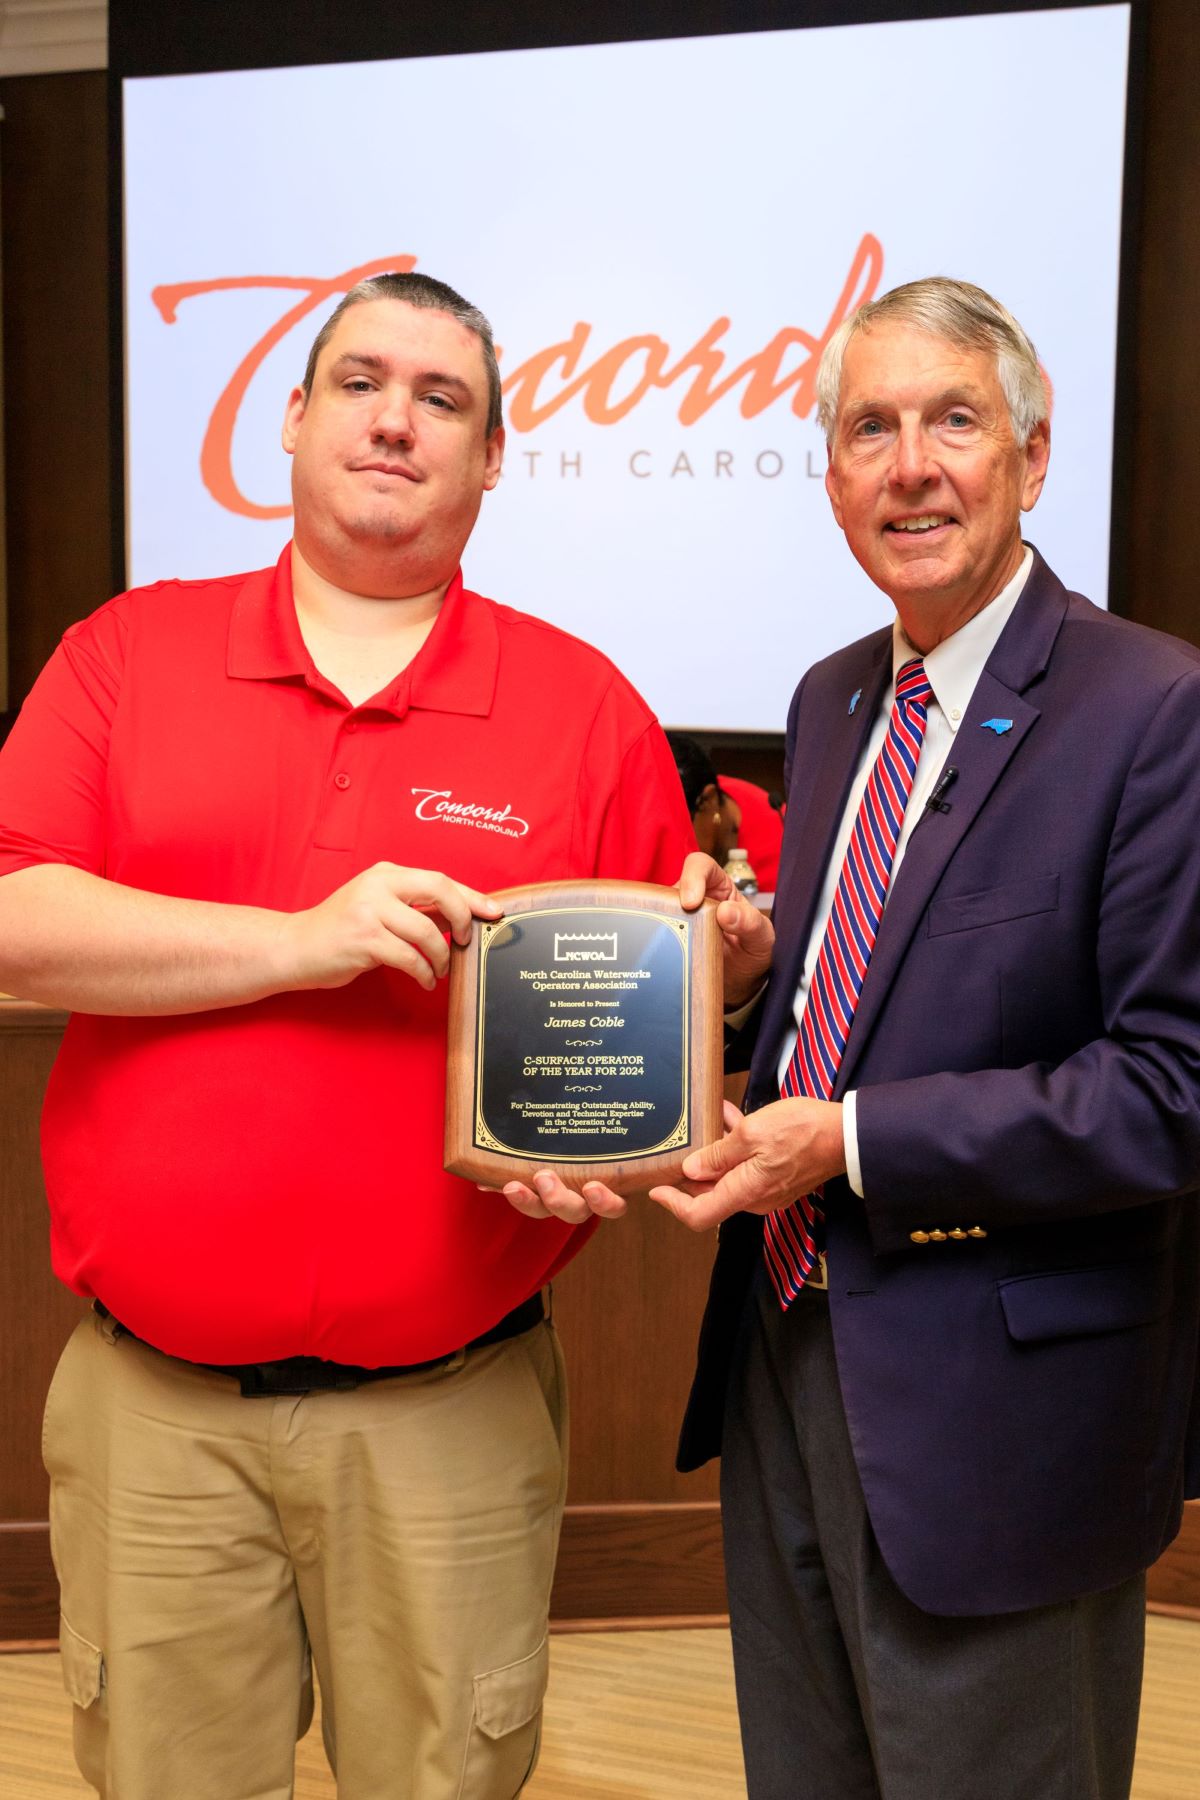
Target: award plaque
(585, 1036)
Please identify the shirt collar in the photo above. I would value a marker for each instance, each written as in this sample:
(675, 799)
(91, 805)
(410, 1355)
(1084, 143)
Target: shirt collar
(453, 671)
(958, 661)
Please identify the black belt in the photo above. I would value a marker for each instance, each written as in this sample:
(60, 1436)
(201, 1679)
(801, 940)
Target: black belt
(312, 1374)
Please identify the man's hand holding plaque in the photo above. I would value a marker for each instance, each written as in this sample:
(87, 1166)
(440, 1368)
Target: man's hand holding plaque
(747, 935)
(785, 1149)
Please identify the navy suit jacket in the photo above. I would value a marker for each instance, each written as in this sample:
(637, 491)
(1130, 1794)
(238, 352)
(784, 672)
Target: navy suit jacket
(1026, 1054)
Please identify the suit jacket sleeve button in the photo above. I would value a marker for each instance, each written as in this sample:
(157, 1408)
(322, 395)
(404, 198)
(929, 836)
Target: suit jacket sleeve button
(919, 1237)
(977, 1231)
(936, 1236)
(956, 1232)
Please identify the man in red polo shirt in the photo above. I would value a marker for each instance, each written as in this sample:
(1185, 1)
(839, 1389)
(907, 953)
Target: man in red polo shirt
(317, 1410)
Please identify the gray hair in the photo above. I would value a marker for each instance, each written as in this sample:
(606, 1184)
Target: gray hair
(960, 314)
(431, 296)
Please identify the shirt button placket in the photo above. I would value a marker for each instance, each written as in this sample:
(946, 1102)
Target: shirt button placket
(342, 779)
(339, 825)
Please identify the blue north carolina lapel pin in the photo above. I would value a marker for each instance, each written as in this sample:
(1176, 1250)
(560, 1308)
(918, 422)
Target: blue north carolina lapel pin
(855, 697)
(999, 726)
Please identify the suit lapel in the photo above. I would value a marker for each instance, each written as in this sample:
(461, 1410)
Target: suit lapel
(981, 757)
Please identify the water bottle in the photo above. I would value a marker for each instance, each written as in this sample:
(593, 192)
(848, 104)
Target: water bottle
(737, 867)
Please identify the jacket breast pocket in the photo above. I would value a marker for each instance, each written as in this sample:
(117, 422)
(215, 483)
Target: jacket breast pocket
(993, 906)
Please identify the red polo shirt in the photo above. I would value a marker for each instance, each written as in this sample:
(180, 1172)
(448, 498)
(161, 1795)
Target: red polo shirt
(266, 1180)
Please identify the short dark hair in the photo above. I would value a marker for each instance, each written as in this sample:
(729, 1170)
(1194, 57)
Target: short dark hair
(430, 295)
(695, 768)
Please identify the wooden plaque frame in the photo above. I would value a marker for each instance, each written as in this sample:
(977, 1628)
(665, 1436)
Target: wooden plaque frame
(472, 1147)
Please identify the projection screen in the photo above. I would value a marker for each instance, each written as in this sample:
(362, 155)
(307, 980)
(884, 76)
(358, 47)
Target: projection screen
(663, 233)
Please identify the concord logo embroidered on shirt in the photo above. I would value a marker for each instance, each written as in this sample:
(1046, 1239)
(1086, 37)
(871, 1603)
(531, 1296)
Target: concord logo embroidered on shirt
(439, 807)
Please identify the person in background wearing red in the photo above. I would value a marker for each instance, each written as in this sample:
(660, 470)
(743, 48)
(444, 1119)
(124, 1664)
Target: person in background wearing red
(716, 818)
(316, 1416)
(760, 828)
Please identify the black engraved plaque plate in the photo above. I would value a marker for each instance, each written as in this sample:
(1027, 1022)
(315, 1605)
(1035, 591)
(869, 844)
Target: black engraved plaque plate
(582, 1035)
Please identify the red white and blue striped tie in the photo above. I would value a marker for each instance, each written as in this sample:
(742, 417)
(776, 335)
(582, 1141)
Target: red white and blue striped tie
(794, 1236)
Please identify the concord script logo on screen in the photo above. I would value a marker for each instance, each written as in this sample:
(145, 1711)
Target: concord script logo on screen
(608, 386)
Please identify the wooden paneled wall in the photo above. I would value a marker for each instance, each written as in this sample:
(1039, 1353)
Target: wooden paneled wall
(1163, 548)
(36, 1318)
(639, 1541)
(54, 145)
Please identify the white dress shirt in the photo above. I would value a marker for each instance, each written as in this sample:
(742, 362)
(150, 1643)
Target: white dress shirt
(953, 669)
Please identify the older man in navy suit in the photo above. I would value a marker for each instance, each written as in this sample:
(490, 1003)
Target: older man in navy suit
(950, 1354)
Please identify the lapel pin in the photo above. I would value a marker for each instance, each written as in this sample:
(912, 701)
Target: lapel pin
(999, 726)
(855, 697)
